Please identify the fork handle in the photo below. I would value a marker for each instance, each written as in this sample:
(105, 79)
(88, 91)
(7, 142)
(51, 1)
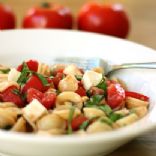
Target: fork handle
(145, 65)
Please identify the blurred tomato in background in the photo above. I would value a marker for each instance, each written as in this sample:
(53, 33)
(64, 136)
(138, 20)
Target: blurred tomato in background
(110, 19)
(48, 15)
(7, 17)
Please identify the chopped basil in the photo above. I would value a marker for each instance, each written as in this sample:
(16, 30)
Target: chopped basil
(88, 93)
(24, 74)
(85, 124)
(71, 114)
(106, 109)
(114, 117)
(16, 91)
(102, 85)
(5, 71)
(43, 79)
(106, 120)
(78, 77)
(94, 100)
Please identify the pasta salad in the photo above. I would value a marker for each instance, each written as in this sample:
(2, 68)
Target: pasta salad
(64, 99)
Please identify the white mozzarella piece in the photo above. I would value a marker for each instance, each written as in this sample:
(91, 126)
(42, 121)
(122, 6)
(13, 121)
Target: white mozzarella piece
(91, 78)
(13, 75)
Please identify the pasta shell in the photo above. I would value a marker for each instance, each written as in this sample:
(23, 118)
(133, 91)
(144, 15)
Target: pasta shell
(43, 69)
(69, 83)
(126, 120)
(65, 113)
(20, 125)
(93, 112)
(51, 121)
(140, 111)
(6, 119)
(133, 102)
(98, 126)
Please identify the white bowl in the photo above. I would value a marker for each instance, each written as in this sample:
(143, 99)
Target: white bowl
(18, 45)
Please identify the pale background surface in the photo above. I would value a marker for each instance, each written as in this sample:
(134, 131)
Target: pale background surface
(143, 20)
(142, 14)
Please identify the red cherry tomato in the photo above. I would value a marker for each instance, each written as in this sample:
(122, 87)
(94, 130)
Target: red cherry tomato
(77, 121)
(32, 65)
(115, 95)
(34, 82)
(81, 91)
(106, 19)
(57, 79)
(48, 16)
(9, 95)
(49, 100)
(34, 94)
(137, 95)
(7, 17)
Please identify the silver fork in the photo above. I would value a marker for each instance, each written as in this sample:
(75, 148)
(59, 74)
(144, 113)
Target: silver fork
(89, 63)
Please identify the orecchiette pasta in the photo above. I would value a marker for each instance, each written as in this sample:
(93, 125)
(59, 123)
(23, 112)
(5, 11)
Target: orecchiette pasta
(93, 112)
(65, 99)
(43, 69)
(51, 121)
(69, 96)
(133, 102)
(69, 83)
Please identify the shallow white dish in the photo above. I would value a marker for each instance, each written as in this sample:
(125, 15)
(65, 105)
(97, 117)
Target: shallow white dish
(43, 45)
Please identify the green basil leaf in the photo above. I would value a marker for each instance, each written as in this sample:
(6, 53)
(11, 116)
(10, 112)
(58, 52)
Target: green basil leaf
(16, 91)
(78, 77)
(24, 74)
(85, 124)
(43, 79)
(106, 120)
(5, 71)
(114, 117)
(102, 85)
(94, 100)
(107, 109)
(70, 118)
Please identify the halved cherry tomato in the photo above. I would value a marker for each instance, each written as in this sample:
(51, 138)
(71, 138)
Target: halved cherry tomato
(115, 95)
(137, 95)
(57, 79)
(9, 95)
(32, 65)
(77, 121)
(81, 91)
(34, 94)
(48, 100)
(34, 82)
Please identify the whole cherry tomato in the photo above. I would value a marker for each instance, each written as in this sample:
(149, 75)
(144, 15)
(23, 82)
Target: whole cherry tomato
(106, 19)
(48, 16)
(115, 95)
(7, 17)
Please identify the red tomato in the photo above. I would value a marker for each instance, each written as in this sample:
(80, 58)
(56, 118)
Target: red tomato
(57, 79)
(115, 95)
(81, 91)
(48, 16)
(7, 17)
(137, 95)
(9, 96)
(34, 94)
(34, 82)
(106, 19)
(49, 100)
(32, 65)
(76, 122)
